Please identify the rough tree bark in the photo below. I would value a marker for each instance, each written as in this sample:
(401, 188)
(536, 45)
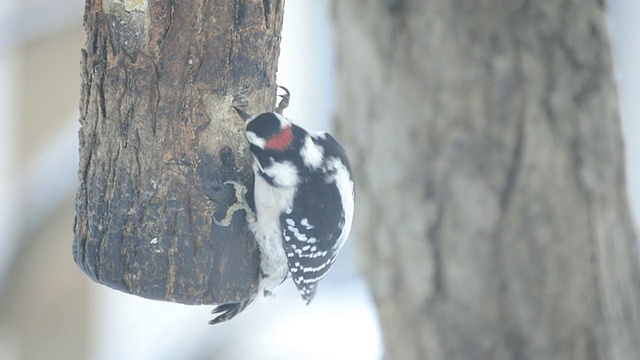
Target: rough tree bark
(492, 210)
(159, 137)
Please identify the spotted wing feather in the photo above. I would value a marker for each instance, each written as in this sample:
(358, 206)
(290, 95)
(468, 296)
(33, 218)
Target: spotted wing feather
(311, 233)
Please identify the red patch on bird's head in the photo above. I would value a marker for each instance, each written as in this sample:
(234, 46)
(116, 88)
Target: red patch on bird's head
(280, 141)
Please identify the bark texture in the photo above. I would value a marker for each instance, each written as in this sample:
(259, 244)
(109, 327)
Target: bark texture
(492, 208)
(159, 137)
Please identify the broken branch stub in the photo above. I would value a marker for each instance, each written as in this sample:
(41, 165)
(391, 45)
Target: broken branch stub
(159, 136)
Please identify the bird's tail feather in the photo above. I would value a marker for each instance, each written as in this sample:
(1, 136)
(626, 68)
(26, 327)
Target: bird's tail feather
(226, 312)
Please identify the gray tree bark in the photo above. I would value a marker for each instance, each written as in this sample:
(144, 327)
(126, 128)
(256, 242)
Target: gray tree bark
(492, 212)
(159, 137)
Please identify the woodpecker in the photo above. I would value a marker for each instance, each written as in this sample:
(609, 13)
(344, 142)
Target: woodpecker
(304, 198)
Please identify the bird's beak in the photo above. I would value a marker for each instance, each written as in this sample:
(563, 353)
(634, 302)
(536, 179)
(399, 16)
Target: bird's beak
(246, 117)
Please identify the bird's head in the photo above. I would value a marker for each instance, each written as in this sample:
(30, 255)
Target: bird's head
(275, 143)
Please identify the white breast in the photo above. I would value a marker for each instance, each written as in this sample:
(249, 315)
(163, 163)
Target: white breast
(270, 202)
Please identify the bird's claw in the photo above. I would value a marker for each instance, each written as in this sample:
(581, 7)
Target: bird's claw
(240, 204)
(284, 102)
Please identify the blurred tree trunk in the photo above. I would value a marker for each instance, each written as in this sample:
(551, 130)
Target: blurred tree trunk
(159, 137)
(492, 211)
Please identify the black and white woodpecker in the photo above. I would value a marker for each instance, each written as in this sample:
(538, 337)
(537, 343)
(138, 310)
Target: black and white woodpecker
(304, 198)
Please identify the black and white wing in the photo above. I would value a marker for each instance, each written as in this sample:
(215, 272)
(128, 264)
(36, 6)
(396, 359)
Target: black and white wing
(313, 231)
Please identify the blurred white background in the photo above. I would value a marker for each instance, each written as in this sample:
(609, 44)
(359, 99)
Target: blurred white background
(50, 310)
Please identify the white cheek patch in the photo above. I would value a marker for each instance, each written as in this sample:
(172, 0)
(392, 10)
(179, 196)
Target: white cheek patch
(255, 139)
(284, 174)
(311, 153)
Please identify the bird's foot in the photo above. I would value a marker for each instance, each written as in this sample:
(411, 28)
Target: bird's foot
(284, 101)
(240, 204)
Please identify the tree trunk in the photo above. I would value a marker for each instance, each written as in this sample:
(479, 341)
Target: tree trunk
(159, 137)
(492, 211)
